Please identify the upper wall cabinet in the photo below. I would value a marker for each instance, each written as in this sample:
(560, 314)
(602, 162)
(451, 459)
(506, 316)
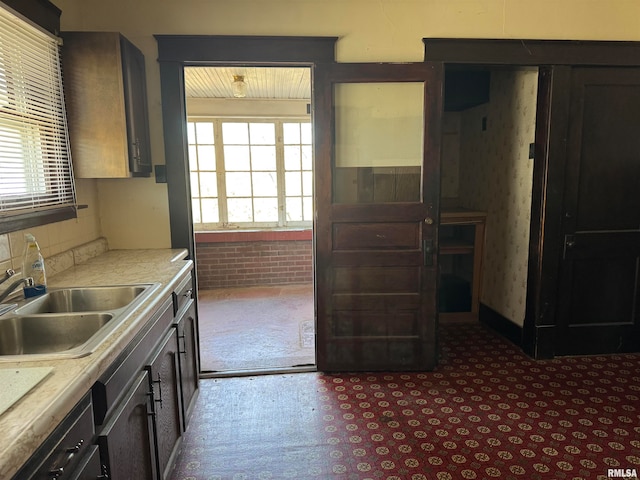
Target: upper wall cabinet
(106, 97)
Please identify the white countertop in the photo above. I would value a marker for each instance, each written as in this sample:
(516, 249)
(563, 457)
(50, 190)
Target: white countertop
(33, 417)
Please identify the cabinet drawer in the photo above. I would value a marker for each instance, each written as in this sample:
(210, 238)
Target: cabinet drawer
(60, 454)
(183, 294)
(111, 386)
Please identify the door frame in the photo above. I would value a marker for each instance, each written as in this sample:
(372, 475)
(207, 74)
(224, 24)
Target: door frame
(178, 51)
(554, 59)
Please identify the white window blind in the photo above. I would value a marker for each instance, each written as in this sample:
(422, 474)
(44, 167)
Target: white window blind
(35, 164)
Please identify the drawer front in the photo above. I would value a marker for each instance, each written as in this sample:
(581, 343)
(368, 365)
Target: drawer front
(183, 294)
(110, 387)
(66, 446)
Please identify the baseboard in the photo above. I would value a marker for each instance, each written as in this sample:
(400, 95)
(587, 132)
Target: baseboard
(500, 324)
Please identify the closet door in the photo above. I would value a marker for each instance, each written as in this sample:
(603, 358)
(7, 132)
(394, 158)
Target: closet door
(377, 174)
(599, 284)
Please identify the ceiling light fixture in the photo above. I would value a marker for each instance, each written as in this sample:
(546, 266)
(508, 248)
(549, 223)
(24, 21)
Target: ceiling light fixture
(239, 87)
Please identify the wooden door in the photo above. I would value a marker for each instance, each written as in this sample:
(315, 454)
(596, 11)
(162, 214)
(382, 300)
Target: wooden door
(598, 298)
(377, 172)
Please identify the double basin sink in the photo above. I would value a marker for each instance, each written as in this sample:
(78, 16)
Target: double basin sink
(67, 322)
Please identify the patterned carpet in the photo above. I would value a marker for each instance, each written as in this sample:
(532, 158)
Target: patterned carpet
(488, 411)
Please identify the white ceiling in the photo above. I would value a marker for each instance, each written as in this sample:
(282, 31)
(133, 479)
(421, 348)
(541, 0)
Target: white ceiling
(282, 83)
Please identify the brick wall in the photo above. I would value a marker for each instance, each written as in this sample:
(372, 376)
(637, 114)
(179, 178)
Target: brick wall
(249, 263)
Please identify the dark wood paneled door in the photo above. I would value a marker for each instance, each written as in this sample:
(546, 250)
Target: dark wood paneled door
(599, 296)
(377, 174)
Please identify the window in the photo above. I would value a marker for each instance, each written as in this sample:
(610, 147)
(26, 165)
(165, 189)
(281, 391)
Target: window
(37, 182)
(250, 173)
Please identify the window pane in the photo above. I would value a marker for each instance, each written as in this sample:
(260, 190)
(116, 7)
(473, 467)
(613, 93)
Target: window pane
(239, 210)
(292, 158)
(208, 184)
(291, 133)
(305, 129)
(195, 209)
(307, 163)
(266, 209)
(195, 188)
(265, 184)
(193, 157)
(263, 158)
(210, 211)
(235, 133)
(308, 209)
(191, 132)
(238, 185)
(262, 133)
(206, 157)
(204, 133)
(236, 158)
(294, 209)
(292, 183)
(307, 183)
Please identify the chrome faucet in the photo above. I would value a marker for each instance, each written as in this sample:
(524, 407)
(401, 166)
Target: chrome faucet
(9, 290)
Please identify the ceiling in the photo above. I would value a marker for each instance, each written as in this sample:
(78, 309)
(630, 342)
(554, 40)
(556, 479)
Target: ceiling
(280, 83)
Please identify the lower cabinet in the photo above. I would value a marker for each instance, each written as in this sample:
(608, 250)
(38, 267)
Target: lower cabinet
(187, 329)
(130, 425)
(167, 402)
(126, 442)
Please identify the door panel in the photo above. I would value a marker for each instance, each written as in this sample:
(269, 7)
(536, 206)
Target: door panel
(377, 137)
(599, 294)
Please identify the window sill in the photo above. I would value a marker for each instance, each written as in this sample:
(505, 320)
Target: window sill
(253, 236)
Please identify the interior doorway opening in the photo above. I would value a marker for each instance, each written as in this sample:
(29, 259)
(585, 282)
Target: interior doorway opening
(487, 172)
(251, 177)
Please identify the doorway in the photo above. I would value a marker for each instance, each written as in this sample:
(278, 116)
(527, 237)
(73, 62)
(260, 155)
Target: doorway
(251, 178)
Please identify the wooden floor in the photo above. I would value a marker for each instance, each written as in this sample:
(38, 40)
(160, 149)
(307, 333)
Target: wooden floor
(256, 328)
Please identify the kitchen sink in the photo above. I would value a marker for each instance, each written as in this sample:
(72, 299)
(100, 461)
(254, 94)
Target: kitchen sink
(67, 322)
(83, 299)
(26, 335)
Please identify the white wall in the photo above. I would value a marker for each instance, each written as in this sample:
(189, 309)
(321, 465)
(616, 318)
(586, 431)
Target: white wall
(134, 213)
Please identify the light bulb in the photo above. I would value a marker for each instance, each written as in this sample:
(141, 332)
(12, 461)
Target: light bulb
(239, 87)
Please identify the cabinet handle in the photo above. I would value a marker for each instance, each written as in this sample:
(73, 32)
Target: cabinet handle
(136, 146)
(188, 293)
(159, 382)
(182, 351)
(71, 452)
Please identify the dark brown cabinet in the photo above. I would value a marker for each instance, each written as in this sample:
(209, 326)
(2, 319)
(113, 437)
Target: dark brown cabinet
(186, 326)
(106, 98)
(189, 367)
(167, 406)
(68, 453)
(126, 440)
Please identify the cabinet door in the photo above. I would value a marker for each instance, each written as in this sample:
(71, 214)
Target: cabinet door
(137, 117)
(126, 445)
(189, 368)
(165, 385)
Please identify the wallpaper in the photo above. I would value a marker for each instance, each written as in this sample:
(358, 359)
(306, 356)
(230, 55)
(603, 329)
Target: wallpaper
(496, 176)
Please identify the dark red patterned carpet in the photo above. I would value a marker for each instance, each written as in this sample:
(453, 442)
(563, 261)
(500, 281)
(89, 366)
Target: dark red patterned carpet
(488, 411)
